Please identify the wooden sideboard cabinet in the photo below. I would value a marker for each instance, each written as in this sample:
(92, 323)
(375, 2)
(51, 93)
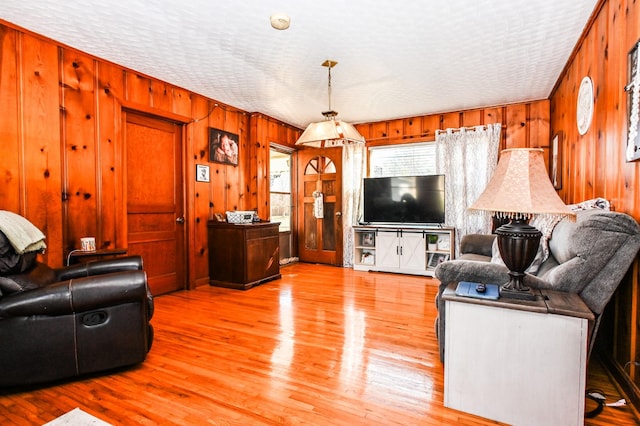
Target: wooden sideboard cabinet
(243, 255)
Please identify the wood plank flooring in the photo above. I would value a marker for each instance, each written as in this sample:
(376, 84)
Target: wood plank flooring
(321, 346)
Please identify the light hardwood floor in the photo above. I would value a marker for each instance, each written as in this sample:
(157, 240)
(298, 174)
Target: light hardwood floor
(321, 346)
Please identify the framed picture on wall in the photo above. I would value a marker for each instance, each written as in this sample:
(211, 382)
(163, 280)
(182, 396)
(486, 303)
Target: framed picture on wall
(632, 151)
(223, 147)
(202, 173)
(555, 165)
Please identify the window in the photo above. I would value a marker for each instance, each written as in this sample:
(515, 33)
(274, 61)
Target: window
(280, 187)
(403, 160)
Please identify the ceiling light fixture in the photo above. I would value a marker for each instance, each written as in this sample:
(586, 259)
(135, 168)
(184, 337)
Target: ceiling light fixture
(280, 21)
(330, 132)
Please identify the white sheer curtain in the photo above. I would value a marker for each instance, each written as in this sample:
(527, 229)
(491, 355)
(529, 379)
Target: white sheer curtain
(467, 158)
(353, 169)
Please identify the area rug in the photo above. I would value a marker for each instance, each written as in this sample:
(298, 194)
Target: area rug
(77, 417)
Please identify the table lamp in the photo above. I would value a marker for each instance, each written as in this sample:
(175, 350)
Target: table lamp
(519, 189)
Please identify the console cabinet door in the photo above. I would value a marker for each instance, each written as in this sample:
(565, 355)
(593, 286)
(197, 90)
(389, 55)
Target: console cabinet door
(388, 250)
(412, 252)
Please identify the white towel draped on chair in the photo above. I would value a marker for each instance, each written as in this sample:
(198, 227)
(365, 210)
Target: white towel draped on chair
(23, 235)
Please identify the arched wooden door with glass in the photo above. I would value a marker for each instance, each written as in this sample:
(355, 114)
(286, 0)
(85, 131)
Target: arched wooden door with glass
(320, 206)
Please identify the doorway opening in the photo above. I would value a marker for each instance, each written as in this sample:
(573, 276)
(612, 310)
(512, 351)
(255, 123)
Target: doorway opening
(281, 200)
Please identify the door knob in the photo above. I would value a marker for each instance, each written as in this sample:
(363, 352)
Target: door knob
(180, 219)
(338, 214)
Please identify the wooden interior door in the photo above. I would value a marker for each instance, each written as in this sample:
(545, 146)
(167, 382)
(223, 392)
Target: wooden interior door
(320, 239)
(154, 188)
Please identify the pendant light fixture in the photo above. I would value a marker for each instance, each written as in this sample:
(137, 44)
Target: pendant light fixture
(331, 132)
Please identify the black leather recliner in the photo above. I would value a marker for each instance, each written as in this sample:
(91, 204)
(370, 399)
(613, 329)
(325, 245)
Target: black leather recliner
(63, 323)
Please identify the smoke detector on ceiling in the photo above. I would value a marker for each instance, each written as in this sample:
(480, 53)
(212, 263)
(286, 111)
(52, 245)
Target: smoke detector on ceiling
(280, 21)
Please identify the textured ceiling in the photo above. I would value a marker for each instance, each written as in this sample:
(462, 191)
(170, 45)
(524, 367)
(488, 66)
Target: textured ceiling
(395, 59)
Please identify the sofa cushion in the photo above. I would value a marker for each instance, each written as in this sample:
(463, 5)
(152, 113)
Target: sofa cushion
(561, 243)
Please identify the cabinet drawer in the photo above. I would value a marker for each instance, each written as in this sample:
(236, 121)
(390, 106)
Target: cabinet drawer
(261, 232)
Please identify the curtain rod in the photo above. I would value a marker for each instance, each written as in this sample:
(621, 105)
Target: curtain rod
(457, 129)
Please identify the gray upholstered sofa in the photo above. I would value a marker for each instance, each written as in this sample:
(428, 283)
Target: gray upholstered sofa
(589, 257)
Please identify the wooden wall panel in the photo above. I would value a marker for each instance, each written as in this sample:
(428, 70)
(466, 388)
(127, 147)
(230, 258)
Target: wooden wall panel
(430, 124)
(40, 166)
(197, 134)
(138, 89)
(379, 130)
(161, 95)
(472, 118)
(364, 130)
(110, 232)
(77, 80)
(529, 125)
(493, 115)
(517, 126)
(450, 120)
(412, 127)
(395, 129)
(181, 101)
(10, 137)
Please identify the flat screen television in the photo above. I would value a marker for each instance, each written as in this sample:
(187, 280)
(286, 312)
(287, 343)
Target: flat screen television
(404, 199)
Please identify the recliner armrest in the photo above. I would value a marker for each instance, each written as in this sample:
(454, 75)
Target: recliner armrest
(77, 295)
(470, 270)
(99, 267)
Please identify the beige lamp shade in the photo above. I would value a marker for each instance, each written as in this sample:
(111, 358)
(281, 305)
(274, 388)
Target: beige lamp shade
(520, 186)
(330, 133)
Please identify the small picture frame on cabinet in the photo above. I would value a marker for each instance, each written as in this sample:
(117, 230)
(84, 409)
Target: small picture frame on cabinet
(437, 258)
(443, 242)
(219, 217)
(368, 239)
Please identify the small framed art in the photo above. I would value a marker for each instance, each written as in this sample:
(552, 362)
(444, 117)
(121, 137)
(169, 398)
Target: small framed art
(556, 161)
(202, 173)
(632, 151)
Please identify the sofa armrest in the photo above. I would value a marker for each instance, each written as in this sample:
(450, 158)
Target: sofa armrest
(99, 267)
(78, 295)
(477, 244)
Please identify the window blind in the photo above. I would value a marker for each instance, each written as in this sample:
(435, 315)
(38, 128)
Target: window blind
(403, 160)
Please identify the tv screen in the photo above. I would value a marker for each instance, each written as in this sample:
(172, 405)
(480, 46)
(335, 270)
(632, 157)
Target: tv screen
(404, 199)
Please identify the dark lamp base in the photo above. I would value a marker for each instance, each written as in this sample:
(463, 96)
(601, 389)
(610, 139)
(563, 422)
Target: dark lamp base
(519, 294)
(518, 243)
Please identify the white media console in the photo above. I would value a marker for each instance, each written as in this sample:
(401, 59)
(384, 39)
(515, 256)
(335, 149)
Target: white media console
(402, 249)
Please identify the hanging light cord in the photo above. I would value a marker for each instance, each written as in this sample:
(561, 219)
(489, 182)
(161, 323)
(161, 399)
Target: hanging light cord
(329, 89)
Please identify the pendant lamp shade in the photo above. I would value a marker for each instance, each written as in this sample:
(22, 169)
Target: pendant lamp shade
(330, 132)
